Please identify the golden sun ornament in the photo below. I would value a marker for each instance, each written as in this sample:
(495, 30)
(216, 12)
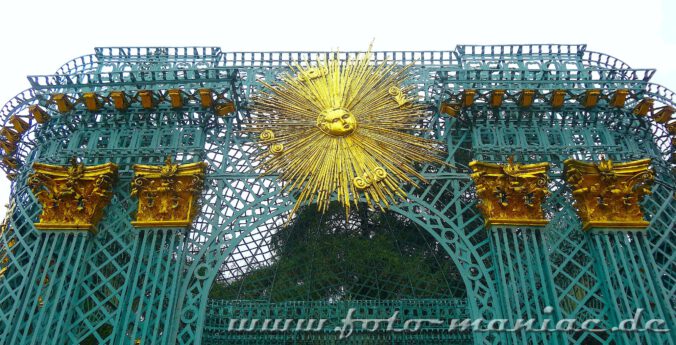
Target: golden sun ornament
(343, 128)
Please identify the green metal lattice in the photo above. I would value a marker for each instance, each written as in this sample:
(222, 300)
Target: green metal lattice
(123, 285)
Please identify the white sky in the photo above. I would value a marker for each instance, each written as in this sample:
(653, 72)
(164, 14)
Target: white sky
(37, 37)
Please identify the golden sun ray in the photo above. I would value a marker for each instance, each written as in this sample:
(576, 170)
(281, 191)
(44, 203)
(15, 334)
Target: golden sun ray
(343, 128)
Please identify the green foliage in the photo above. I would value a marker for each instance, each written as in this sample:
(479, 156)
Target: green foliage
(373, 256)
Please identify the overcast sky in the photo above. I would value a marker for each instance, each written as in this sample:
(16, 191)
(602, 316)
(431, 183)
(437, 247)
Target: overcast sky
(37, 37)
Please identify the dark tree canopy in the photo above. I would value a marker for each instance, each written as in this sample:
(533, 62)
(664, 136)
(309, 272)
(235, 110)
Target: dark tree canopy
(373, 256)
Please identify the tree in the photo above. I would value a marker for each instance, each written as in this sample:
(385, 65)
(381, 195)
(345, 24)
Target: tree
(373, 256)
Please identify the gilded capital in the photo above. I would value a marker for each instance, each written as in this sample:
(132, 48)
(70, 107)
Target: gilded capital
(511, 194)
(167, 194)
(607, 194)
(72, 197)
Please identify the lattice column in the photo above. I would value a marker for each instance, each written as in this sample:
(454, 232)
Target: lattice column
(155, 276)
(166, 196)
(50, 289)
(630, 283)
(577, 283)
(18, 248)
(525, 283)
(661, 208)
(607, 198)
(511, 197)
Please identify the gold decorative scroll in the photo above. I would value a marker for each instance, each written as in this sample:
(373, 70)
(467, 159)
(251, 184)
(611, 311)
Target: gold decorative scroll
(343, 128)
(607, 194)
(511, 194)
(167, 194)
(72, 197)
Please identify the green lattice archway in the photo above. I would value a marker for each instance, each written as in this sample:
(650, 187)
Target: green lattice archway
(453, 241)
(123, 285)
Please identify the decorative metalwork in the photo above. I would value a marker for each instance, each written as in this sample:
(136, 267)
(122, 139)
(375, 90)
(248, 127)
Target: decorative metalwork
(608, 194)
(5, 232)
(511, 194)
(483, 103)
(342, 127)
(167, 195)
(72, 197)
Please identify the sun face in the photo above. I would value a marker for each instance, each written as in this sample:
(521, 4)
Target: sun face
(337, 122)
(343, 129)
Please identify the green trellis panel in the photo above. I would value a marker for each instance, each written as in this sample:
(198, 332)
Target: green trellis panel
(125, 285)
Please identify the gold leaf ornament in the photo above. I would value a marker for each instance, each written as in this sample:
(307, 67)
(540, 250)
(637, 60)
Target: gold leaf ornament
(344, 128)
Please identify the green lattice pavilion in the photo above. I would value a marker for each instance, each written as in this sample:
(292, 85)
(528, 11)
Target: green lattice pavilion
(151, 198)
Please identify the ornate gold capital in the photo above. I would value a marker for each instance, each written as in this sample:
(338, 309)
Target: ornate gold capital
(607, 194)
(72, 197)
(511, 194)
(167, 194)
